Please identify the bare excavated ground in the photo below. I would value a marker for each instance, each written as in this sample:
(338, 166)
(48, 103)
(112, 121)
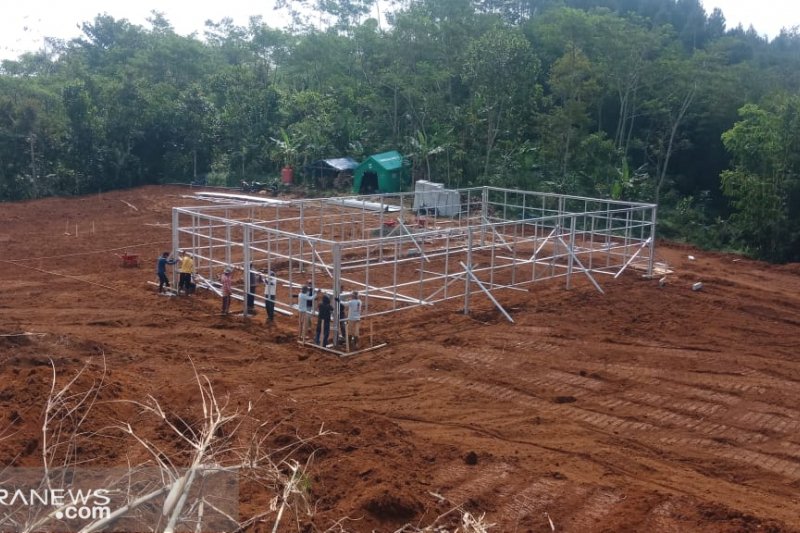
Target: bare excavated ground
(644, 409)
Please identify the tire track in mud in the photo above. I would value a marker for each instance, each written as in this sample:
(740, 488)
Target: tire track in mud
(532, 499)
(661, 519)
(712, 405)
(670, 420)
(516, 495)
(469, 482)
(506, 394)
(556, 380)
(694, 407)
(509, 358)
(589, 515)
(776, 383)
(500, 481)
(785, 450)
(664, 409)
(787, 424)
(711, 360)
(655, 376)
(668, 412)
(694, 392)
(547, 497)
(664, 414)
(777, 465)
(769, 422)
(709, 357)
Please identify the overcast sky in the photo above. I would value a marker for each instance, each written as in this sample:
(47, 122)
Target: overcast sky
(24, 23)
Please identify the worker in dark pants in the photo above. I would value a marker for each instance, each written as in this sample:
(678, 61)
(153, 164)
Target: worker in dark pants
(186, 269)
(324, 312)
(270, 288)
(342, 322)
(161, 271)
(251, 295)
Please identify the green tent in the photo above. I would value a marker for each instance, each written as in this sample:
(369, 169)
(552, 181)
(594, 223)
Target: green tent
(386, 172)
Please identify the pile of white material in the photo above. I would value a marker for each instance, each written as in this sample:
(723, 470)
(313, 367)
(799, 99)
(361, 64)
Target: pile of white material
(361, 204)
(354, 203)
(240, 197)
(430, 195)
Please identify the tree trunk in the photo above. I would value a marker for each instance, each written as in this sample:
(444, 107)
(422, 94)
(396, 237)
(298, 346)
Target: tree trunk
(687, 101)
(492, 127)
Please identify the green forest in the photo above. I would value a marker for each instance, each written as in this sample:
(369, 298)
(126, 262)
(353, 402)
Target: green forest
(650, 100)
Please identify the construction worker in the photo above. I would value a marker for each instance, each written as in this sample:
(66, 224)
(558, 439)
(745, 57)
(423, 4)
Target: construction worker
(227, 290)
(186, 269)
(309, 309)
(161, 271)
(302, 309)
(310, 301)
(255, 278)
(324, 313)
(353, 318)
(342, 333)
(270, 289)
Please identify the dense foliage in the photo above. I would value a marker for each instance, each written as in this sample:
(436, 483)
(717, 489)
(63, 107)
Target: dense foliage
(641, 99)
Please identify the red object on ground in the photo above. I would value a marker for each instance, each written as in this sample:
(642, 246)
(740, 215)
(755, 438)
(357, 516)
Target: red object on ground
(287, 175)
(129, 260)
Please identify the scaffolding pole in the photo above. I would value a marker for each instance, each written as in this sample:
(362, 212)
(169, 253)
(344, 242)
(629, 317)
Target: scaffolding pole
(488, 293)
(314, 233)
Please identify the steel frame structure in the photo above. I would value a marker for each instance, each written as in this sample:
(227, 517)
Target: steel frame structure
(400, 257)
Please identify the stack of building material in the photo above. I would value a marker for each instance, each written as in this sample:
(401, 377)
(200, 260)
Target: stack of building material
(433, 196)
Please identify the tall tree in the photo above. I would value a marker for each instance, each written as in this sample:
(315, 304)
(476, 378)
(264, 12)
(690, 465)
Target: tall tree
(764, 183)
(674, 88)
(499, 60)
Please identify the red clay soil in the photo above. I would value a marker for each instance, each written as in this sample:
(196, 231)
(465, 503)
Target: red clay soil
(645, 409)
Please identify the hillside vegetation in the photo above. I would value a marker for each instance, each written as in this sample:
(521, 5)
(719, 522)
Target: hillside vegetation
(638, 99)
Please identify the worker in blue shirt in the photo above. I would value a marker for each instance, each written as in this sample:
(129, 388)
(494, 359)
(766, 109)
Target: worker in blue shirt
(161, 270)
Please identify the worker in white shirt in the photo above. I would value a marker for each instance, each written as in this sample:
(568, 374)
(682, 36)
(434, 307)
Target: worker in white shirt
(353, 318)
(270, 290)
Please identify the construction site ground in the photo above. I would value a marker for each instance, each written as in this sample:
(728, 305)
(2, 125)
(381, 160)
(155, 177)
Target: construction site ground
(652, 407)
